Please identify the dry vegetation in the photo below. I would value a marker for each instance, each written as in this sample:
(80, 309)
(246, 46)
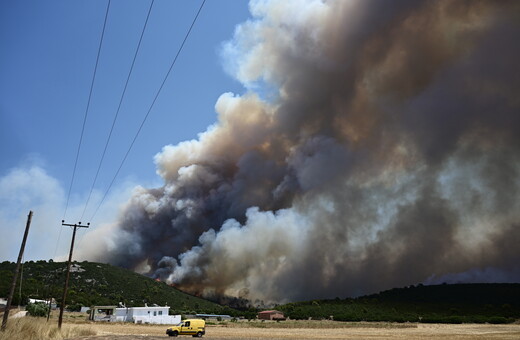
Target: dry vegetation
(76, 327)
(314, 330)
(38, 328)
(430, 331)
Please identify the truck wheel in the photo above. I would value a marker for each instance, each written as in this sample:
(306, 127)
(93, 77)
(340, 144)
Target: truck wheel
(199, 335)
(174, 333)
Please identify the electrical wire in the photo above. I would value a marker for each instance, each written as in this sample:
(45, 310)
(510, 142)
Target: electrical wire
(87, 109)
(149, 109)
(118, 109)
(57, 243)
(84, 123)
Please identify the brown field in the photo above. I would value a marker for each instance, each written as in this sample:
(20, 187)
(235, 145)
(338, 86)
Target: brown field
(314, 330)
(76, 327)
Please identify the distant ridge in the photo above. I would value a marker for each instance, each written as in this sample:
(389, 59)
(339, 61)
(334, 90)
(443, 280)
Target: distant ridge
(447, 303)
(462, 293)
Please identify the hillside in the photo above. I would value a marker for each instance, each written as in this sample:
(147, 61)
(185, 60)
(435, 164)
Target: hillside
(100, 284)
(103, 284)
(458, 303)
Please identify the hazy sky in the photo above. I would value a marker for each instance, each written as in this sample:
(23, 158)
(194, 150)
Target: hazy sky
(47, 59)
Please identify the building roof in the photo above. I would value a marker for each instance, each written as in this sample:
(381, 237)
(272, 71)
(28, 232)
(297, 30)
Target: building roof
(149, 307)
(270, 312)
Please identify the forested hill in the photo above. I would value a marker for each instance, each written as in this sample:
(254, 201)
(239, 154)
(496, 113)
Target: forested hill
(456, 303)
(470, 294)
(100, 284)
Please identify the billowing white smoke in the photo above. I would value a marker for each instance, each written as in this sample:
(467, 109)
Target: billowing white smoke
(388, 155)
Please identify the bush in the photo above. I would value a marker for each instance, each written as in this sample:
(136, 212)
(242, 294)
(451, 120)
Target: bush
(455, 319)
(74, 307)
(498, 320)
(433, 318)
(478, 319)
(37, 309)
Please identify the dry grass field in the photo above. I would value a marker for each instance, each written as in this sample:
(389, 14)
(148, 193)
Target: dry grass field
(314, 330)
(31, 328)
(76, 327)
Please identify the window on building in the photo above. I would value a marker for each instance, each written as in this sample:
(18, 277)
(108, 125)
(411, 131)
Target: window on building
(160, 312)
(154, 313)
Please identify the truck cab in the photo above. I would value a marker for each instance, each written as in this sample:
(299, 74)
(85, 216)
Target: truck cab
(194, 327)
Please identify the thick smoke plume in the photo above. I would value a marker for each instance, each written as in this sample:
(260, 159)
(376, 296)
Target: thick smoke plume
(387, 154)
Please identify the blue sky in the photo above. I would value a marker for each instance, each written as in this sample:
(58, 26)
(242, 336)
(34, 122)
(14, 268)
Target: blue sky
(46, 65)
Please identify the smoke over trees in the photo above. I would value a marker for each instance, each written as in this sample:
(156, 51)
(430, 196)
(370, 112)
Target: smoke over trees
(386, 154)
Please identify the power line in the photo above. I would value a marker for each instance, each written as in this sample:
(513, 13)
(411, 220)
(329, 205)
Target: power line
(87, 109)
(118, 109)
(57, 244)
(149, 109)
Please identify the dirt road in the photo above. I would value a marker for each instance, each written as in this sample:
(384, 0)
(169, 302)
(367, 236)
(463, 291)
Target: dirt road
(419, 331)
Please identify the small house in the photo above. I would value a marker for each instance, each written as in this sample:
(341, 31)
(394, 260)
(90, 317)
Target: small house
(271, 315)
(102, 313)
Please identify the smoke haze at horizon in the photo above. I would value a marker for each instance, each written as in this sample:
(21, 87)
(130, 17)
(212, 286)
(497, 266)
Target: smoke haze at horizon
(378, 146)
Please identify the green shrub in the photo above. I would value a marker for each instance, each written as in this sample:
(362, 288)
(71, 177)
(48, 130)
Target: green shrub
(37, 309)
(74, 307)
(433, 318)
(498, 320)
(453, 319)
(478, 319)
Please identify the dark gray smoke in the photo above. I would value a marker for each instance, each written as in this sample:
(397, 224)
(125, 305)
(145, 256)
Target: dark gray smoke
(389, 156)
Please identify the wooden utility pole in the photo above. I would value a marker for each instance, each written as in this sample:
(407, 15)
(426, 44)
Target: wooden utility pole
(49, 296)
(49, 310)
(15, 277)
(62, 305)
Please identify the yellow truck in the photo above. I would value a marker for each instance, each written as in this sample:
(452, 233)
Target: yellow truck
(194, 327)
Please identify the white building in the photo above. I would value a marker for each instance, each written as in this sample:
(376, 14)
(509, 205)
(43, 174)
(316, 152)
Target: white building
(155, 315)
(53, 302)
(37, 301)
